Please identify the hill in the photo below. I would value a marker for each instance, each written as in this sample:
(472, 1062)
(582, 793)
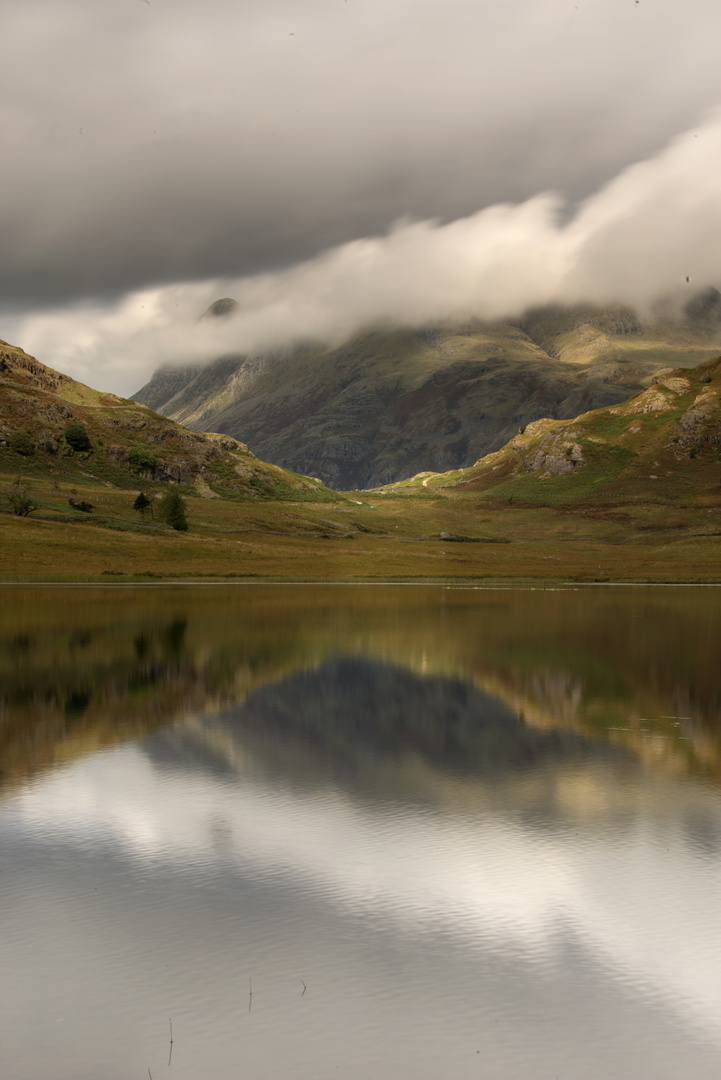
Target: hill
(662, 449)
(385, 404)
(126, 446)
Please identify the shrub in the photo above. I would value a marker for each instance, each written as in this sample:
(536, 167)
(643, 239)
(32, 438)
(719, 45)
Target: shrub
(21, 443)
(141, 460)
(172, 511)
(77, 437)
(86, 507)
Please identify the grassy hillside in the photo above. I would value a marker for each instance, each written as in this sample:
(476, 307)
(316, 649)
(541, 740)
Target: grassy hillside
(128, 446)
(386, 404)
(658, 455)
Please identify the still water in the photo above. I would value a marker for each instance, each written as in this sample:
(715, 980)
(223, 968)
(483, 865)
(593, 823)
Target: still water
(360, 832)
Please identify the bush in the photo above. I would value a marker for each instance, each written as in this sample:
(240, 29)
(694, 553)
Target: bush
(21, 443)
(86, 507)
(141, 460)
(77, 437)
(172, 511)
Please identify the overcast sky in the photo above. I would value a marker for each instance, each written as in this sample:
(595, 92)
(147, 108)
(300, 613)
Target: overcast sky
(335, 162)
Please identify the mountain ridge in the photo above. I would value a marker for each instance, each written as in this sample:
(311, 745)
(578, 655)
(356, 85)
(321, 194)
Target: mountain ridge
(386, 403)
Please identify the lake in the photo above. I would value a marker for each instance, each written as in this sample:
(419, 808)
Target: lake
(360, 831)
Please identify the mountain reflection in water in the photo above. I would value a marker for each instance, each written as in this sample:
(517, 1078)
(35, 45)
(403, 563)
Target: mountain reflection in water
(422, 813)
(353, 719)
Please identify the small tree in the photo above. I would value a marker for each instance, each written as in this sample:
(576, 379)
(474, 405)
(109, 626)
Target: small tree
(18, 498)
(172, 510)
(141, 504)
(141, 460)
(77, 437)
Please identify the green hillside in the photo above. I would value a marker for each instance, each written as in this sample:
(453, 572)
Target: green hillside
(662, 448)
(127, 446)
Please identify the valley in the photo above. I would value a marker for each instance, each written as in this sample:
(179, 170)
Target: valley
(630, 492)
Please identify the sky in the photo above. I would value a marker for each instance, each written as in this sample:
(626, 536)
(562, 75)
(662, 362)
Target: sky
(334, 164)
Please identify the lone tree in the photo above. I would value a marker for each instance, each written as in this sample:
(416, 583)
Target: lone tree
(141, 504)
(77, 437)
(19, 500)
(172, 510)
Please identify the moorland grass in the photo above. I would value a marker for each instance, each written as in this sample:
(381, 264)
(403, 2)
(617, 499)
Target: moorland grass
(361, 536)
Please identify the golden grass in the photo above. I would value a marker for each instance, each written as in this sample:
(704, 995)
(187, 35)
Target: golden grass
(364, 536)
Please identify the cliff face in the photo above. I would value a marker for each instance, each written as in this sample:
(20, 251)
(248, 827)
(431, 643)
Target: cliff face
(388, 404)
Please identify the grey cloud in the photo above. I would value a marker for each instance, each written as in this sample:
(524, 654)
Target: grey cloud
(637, 241)
(150, 144)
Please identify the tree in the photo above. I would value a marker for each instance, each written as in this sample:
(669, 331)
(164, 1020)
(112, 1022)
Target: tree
(141, 460)
(18, 498)
(172, 510)
(142, 503)
(77, 437)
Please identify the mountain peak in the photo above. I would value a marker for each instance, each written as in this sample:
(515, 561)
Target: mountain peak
(220, 309)
(705, 307)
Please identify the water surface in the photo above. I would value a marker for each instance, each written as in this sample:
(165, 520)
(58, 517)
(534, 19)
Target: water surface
(436, 832)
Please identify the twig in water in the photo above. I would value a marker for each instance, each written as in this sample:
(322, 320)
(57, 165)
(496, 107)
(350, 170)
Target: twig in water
(304, 988)
(250, 998)
(170, 1051)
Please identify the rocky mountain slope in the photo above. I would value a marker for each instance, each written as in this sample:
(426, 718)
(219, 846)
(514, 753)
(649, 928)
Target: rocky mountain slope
(386, 404)
(127, 445)
(661, 447)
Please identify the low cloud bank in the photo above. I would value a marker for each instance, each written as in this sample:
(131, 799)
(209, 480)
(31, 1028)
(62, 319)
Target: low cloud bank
(636, 241)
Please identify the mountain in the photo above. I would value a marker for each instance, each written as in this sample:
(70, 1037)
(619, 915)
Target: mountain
(126, 445)
(661, 448)
(388, 403)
